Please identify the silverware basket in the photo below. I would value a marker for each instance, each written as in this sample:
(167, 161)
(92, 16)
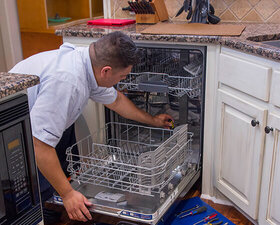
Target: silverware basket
(131, 158)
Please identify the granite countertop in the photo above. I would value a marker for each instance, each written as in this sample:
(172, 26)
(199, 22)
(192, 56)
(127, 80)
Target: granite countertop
(11, 83)
(247, 42)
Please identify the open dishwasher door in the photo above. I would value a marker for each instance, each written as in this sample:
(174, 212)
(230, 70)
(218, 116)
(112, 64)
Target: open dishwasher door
(133, 171)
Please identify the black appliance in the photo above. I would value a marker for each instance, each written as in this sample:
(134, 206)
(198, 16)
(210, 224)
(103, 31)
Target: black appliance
(19, 192)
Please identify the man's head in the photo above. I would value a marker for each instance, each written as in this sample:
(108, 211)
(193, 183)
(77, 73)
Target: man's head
(112, 58)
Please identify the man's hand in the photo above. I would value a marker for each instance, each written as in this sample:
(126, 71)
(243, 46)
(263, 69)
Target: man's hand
(75, 204)
(163, 120)
(48, 163)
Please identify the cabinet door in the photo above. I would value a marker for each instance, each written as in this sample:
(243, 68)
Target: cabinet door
(238, 156)
(275, 84)
(269, 212)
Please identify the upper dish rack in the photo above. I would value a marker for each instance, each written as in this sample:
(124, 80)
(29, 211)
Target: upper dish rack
(164, 71)
(131, 158)
(162, 83)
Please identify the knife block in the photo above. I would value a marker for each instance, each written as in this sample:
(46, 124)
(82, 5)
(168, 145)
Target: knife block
(147, 18)
(161, 13)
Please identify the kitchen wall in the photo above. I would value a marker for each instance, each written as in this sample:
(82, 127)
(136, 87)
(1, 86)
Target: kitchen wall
(253, 11)
(3, 65)
(10, 42)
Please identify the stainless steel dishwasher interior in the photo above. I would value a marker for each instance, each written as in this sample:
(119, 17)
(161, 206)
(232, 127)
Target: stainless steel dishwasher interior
(134, 171)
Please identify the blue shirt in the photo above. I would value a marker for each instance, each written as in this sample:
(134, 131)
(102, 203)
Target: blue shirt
(66, 83)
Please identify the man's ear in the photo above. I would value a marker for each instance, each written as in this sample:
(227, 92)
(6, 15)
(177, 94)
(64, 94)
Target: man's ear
(106, 71)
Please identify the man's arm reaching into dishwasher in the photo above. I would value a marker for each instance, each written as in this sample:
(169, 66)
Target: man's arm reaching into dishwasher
(69, 77)
(125, 108)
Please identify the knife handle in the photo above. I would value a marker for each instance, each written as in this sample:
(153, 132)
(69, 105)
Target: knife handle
(144, 7)
(151, 10)
(131, 6)
(138, 11)
(138, 6)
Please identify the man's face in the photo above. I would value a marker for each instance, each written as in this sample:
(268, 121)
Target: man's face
(113, 76)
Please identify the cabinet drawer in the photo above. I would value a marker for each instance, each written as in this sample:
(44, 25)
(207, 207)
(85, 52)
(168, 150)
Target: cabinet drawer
(249, 77)
(275, 93)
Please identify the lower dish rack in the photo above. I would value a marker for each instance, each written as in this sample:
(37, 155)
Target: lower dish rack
(131, 158)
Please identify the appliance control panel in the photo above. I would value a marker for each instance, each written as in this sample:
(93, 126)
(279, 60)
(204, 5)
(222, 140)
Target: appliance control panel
(17, 166)
(17, 172)
(19, 189)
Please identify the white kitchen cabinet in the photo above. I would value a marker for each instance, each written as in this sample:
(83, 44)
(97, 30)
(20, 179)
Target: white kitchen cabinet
(238, 157)
(250, 77)
(269, 212)
(246, 159)
(275, 85)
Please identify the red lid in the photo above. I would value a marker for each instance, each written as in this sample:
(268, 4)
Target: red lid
(110, 22)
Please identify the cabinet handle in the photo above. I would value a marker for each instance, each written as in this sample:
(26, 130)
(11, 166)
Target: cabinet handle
(267, 129)
(255, 123)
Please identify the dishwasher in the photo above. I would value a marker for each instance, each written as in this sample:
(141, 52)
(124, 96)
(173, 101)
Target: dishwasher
(136, 172)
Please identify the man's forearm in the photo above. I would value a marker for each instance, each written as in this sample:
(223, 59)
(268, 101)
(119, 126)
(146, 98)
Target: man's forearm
(49, 166)
(124, 107)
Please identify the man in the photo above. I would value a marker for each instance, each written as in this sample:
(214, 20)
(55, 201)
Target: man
(70, 76)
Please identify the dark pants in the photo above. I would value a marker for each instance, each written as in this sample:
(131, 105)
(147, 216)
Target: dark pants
(68, 139)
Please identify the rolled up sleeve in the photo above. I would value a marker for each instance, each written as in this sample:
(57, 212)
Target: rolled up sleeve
(104, 95)
(50, 113)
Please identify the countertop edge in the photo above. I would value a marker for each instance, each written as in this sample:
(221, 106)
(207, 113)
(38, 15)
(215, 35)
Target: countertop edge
(240, 43)
(11, 83)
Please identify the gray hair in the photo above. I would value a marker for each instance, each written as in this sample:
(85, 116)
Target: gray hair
(115, 49)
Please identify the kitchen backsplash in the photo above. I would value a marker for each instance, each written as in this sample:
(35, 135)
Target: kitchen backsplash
(254, 11)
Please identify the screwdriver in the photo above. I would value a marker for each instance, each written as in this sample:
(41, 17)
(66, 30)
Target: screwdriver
(211, 221)
(172, 123)
(205, 219)
(185, 211)
(194, 212)
(219, 223)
